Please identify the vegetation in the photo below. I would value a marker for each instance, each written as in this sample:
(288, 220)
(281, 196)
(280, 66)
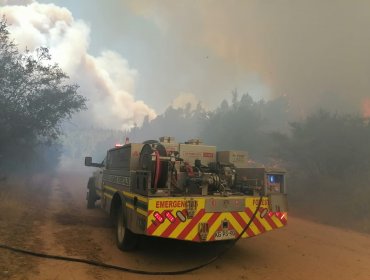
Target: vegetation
(247, 125)
(328, 158)
(34, 100)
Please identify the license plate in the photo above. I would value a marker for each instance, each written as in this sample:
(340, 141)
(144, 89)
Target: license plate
(225, 234)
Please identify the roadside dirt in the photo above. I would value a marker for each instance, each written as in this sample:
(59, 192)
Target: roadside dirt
(48, 214)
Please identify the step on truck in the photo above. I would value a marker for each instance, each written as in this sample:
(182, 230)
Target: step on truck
(185, 191)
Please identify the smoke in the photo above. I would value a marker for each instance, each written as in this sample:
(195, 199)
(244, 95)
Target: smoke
(15, 2)
(315, 52)
(106, 80)
(185, 99)
(366, 108)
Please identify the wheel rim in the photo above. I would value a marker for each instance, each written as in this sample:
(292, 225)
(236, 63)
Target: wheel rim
(120, 228)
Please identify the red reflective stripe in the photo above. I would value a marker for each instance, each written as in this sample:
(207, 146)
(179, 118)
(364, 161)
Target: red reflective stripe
(270, 221)
(191, 225)
(171, 228)
(231, 227)
(210, 222)
(284, 220)
(153, 226)
(258, 224)
(213, 219)
(242, 223)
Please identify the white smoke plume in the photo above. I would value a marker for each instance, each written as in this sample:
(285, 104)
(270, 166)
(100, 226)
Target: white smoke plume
(107, 80)
(183, 99)
(15, 2)
(315, 52)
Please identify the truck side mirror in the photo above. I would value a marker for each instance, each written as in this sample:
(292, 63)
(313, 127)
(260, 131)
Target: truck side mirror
(88, 161)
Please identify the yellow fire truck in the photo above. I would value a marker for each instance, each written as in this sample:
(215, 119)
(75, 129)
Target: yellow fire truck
(186, 191)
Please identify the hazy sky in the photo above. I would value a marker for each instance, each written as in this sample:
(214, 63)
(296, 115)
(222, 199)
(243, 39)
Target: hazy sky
(315, 52)
(171, 59)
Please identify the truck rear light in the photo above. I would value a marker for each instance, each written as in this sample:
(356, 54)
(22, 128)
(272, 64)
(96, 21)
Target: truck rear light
(169, 216)
(158, 217)
(280, 215)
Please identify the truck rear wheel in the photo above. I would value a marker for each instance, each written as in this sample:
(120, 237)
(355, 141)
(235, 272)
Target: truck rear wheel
(126, 239)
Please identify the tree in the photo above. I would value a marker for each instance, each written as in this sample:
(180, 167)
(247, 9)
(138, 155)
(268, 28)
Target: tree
(328, 159)
(244, 125)
(35, 98)
(328, 144)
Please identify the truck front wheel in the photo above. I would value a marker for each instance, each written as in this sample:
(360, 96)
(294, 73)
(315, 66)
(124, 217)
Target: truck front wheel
(126, 239)
(91, 194)
(90, 200)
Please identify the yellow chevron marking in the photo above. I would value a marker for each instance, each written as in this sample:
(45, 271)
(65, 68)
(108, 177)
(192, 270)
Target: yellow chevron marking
(277, 221)
(235, 224)
(253, 227)
(159, 230)
(215, 226)
(265, 224)
(194, 231)
(180, 227)
(246, 220)
(110, 188)
(139, 197)
(238, 227)
(162, 227)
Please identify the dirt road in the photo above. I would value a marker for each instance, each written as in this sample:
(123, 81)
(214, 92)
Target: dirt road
(49, 214)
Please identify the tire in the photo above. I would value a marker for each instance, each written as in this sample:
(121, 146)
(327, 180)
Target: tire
(126, 239)
(91, 194)
(90, 200)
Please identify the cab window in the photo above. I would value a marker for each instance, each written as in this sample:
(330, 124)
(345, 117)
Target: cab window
(119, 158)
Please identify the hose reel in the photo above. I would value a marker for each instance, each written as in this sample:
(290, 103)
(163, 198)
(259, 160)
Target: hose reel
(150, 160)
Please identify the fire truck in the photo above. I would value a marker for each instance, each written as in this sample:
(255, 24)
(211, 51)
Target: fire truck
(186, 191)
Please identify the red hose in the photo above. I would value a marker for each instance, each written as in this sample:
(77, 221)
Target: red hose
(189, 169)
(157, 169)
